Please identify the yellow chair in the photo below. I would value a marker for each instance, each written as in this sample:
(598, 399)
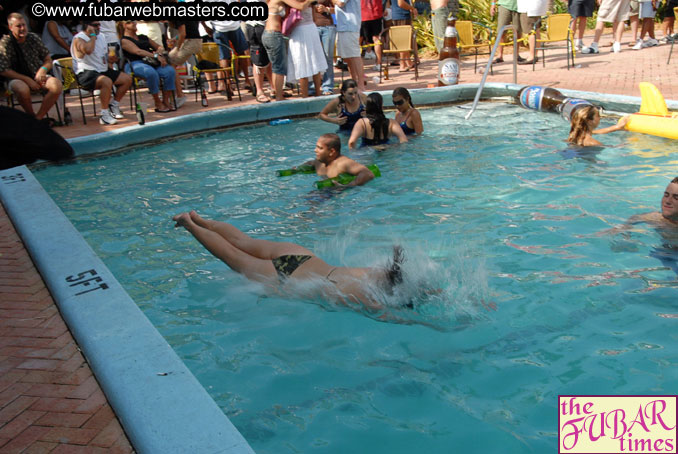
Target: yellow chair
(210, 53)
(468, 42)
(70, 82)
(675, 37)
(557, 29)
(397, 39)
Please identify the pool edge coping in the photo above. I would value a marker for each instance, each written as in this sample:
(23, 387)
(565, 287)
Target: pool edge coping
(37, 235)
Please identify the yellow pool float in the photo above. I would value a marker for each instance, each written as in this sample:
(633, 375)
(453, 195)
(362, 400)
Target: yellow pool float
(654, 117)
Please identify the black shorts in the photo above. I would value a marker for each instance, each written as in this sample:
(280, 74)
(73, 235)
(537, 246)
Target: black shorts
(580, 8)
(668, 8)
(370, 28)
(88, 78)
(258, 54)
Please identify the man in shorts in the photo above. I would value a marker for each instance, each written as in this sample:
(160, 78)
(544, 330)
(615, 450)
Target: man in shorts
(615, 11)
(223, 32)
(372, 12)
(507, 13)
(259, 57)
(440, 10)
(91, 65)
(580, 10)
(530, 15)
(348, 16)
(646, 13)
(28, 74)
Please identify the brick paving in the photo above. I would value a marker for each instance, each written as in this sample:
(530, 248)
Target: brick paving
(49, 400)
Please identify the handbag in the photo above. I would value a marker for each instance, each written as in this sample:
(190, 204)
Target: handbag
(291, 21)
(152, 61)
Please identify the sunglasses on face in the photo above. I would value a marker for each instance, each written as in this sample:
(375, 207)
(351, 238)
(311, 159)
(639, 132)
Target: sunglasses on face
(398, 103)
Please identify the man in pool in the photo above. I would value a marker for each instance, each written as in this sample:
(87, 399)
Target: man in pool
(273, 263)
(329, 162)
(666, 223)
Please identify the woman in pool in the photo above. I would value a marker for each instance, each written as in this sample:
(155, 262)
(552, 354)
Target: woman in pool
(584, 123)
(407, 116)
(375, 128)
(347, 108)
(272, 262)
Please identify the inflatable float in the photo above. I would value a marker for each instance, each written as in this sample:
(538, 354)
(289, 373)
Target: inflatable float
(654, 117)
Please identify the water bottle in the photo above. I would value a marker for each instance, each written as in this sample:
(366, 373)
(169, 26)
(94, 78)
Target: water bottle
(345, 178)
(140, 115)
(305, 168)
(68, 120)
(280, 121)
(203, 98)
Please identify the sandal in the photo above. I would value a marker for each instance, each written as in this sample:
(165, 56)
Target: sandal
(262, 98)
(498, 60)
(165, 110)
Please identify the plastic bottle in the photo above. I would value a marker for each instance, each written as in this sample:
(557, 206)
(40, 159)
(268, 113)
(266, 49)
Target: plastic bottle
(203, 98)
(345, 178)
(570, 105)
(448, 59)
(280, 121)
(140, 115)
(305, 168)
(540, 98)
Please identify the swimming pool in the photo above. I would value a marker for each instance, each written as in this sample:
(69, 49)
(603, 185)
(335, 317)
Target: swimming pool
(501, 215)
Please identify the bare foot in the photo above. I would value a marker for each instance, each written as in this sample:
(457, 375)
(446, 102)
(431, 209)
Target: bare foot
(182, 220)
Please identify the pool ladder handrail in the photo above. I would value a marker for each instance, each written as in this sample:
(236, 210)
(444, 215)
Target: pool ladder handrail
(491, 60)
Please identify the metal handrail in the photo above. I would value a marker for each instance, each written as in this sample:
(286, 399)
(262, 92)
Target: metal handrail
(500, 33)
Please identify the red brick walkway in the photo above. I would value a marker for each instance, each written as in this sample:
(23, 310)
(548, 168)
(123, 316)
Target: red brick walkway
(49, 400)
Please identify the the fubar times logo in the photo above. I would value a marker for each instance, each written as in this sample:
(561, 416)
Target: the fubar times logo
(617, 424)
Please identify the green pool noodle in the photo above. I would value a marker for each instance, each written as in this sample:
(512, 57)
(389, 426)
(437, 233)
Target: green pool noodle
(305, 168)
(345, 178)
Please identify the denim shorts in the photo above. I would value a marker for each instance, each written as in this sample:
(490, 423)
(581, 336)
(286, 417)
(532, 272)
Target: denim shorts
(275, 48)
(237, 39)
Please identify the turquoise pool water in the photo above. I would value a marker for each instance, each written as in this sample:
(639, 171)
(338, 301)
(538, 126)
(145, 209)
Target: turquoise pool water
(492, 211)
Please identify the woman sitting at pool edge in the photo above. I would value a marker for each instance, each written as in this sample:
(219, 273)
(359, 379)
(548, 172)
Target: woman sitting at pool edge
(407, 116)
(584, 123)
(272, 262)
(375, 128)
(347, 108)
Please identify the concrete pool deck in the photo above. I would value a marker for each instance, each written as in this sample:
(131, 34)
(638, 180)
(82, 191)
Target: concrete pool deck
(23, 429)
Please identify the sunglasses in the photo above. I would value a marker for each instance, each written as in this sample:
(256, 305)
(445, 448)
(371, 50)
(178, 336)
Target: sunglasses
(399, 103)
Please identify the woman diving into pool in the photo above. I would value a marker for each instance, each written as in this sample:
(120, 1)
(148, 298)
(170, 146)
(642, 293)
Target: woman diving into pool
(272, 263)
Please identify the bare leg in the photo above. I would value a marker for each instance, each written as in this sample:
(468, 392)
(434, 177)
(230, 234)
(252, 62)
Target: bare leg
(303, 85)
(53, 87)
(262, 249)
(241, 262)
(278, 80)
(317, 82)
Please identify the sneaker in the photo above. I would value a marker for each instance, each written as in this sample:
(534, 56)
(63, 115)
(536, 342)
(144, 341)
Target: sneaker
(578, 45)
(592, 49)
(106, 118)
(638, 45)
(369, 55)
(114, 108)
(650, 42)
(616, 47)
(180, 101)
(377, 67)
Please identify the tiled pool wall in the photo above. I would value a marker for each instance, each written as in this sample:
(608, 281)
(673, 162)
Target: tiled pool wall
(159, 402)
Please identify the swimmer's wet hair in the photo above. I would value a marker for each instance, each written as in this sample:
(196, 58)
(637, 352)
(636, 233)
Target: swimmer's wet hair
(581, 124)
(394, 273)
(332, 141)
(403, 93)
(675, 180)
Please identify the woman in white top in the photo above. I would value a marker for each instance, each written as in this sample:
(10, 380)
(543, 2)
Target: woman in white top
(305, 57)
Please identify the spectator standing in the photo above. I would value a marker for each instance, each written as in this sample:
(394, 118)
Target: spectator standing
(507, 13)
(530, 14)
(306, 58)
(615, 11)
(633, 19)
(648, 9)
(25, 62)
(440, 10)
(254, 31)
(223, 32)
(186, 43)
(402, 13)
(348, 38)
(372, 14)
(580, 10)
(58, 38)
(322, 17)
(668, 20)
(91, 65)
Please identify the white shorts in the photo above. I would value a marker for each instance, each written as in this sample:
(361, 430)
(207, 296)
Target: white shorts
(614, 10)
(348, 44)
(646, 11)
